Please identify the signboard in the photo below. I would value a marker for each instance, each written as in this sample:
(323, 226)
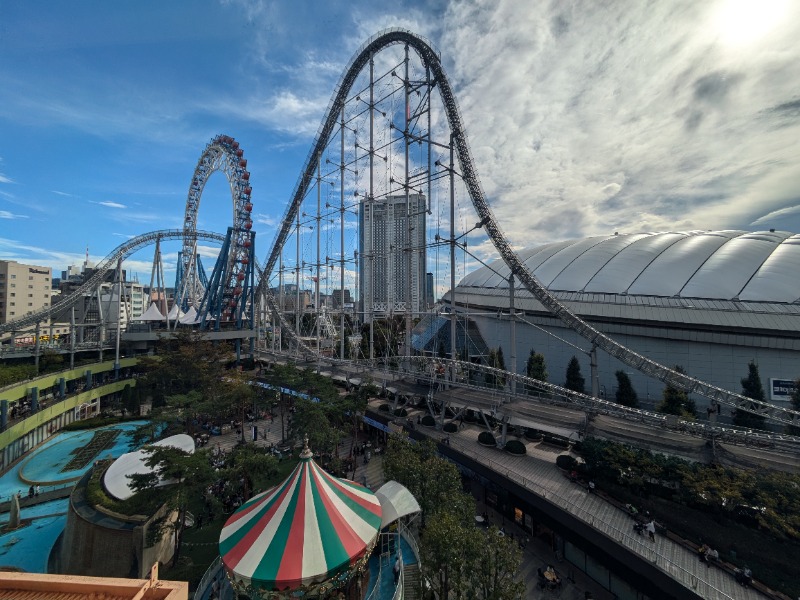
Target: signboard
(376, 424)
(781, 389)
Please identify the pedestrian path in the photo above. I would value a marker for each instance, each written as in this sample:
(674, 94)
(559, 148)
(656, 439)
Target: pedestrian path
(537, 472)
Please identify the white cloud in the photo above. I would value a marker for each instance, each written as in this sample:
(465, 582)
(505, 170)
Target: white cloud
(110, 204)
(4, 214)
(587, 119)
(4, 179)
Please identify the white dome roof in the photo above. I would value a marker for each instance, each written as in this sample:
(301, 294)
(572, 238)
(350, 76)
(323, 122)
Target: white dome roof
(116, 480)
(718, 265)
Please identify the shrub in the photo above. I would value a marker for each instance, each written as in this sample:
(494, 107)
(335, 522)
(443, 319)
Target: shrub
(450, 428)
(470, 416)
(515, 447)
(428, 421)
(400, 412)
(486, 439)
(565, 462)
(533, 434)
(384, 407)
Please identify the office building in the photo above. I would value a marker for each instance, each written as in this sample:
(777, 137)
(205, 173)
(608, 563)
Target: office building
(392, 256)
(24, 289)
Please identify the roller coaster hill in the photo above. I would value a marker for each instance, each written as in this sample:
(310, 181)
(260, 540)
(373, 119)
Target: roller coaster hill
(390, 161)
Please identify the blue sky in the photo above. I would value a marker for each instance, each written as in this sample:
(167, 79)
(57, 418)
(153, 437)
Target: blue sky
(583, 119)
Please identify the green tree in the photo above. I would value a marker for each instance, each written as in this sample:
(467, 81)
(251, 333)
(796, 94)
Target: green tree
(575, 380)
(189, 474)
(626, 395)
(496, 361)
(496, 567)
(535, 367)
(432, 480)
(675, 401)
(447, 551)
(751, 388)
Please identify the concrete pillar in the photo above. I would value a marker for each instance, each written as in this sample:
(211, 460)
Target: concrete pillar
(34, 400)
(3, 414)
(62, 388)
(88, 379)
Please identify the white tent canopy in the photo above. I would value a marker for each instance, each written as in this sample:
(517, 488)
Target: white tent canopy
(116, 480)
(151, 314)
(396, 501)
(190, 317)
(175, 312)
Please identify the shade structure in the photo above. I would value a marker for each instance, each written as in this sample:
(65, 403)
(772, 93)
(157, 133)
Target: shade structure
(307, 534)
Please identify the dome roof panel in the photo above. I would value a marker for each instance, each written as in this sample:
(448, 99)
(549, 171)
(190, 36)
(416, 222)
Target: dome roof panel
(670, 270)
(622, 270)
(726, 272)
(777, 280)
(551, 268)
(580, 272)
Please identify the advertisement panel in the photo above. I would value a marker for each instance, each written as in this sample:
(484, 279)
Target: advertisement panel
(781, 390)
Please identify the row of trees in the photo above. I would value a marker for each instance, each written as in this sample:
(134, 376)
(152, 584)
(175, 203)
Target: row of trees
(674, 401)
(457, 559)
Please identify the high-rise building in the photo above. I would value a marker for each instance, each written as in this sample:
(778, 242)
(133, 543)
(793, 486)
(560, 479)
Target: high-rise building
(23, 289)
(392, 255)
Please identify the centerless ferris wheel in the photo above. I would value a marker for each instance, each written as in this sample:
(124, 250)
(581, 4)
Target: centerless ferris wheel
(225, 297)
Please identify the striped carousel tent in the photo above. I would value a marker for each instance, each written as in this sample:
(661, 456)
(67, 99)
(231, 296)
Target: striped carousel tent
(308, 534)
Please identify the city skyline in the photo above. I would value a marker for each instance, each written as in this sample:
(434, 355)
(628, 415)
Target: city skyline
(583, 120)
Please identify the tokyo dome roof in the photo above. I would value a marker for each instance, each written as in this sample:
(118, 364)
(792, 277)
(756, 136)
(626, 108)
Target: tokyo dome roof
(735, 266)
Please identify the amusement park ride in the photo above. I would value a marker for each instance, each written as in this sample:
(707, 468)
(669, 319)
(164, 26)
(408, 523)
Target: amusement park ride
(393, 128)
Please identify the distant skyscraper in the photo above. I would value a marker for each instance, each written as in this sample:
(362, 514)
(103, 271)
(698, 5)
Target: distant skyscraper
(429, 295)
(392, 259)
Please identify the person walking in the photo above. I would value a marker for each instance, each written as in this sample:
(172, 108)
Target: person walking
(651, 530)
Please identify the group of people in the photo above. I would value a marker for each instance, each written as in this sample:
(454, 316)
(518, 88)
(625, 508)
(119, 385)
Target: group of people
(707, 554)
(33, 491)
(549, 578)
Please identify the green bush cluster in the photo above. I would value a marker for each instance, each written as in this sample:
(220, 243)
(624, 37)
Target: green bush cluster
(15, 373)
(515, 447)
(486, 438)
(762, 499)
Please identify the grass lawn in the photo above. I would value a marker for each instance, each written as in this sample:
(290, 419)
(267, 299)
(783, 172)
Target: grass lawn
(200, 546)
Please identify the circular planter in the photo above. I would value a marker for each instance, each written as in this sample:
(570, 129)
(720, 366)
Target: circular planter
(384, 407)
(470, 416)
(533, 435)
(450, 428)
(428, 421)
(567, 463)
(400, 412)
(487, 439)
(515, 447)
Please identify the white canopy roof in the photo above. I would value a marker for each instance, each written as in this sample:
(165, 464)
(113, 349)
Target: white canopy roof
(151, 314)
(190, 317)
(396, 501)
(175, 312)
(116, 480)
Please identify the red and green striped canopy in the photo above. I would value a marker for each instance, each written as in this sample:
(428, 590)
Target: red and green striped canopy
(307, 530)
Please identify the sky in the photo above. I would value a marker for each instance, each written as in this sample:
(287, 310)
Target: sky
(584, 118)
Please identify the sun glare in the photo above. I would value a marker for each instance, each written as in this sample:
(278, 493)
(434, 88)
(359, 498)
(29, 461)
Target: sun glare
(742, 22)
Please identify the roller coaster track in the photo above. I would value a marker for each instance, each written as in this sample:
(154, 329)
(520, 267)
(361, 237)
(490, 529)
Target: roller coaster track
(109, 263)
(431, 59)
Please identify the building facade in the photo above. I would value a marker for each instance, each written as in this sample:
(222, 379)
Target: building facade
(24, 289)
(392, 256)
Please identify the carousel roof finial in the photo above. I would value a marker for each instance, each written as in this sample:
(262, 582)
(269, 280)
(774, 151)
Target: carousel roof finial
(306, 453)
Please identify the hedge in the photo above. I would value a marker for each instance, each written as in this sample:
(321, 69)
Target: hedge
(486, 439)
(515, 447)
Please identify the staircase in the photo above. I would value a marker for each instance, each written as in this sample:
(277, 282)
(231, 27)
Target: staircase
(411, 582)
